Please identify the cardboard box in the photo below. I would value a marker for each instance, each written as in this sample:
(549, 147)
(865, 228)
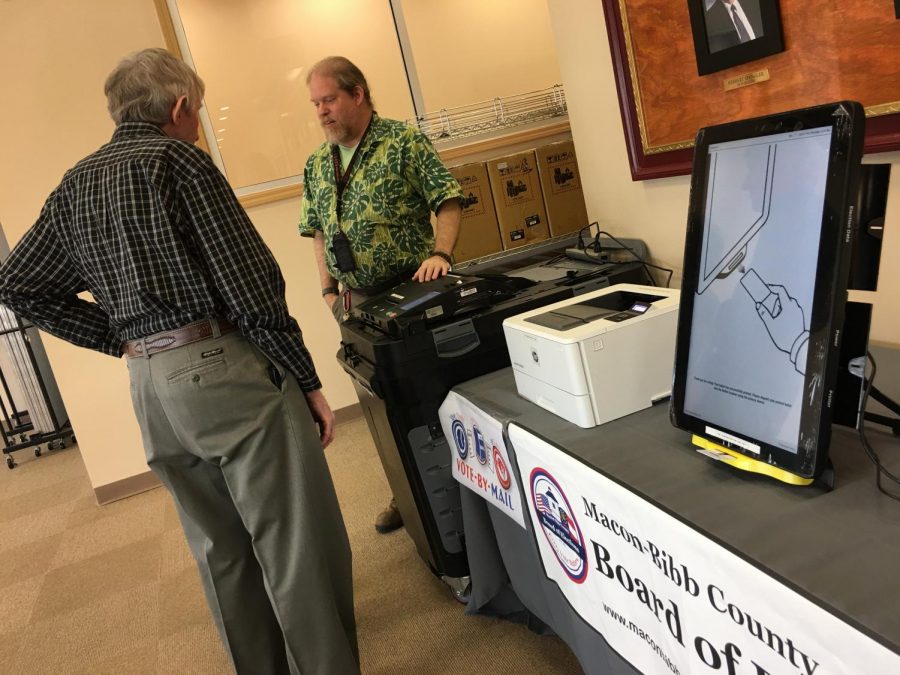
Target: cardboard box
(561, 184)
(479, 233)
(517, 196)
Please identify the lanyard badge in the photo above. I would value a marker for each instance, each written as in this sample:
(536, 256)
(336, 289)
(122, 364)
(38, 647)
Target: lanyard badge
(340, 243)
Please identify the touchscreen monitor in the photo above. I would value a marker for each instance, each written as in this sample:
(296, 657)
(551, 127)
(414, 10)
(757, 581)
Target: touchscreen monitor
(768, 244)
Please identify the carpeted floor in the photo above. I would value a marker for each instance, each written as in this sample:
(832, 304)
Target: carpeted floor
(113, 589)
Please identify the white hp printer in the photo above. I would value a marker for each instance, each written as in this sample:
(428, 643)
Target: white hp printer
(598, 356)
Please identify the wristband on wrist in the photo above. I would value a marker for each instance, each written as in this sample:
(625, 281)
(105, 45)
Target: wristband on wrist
(441, 254)
(330, 290)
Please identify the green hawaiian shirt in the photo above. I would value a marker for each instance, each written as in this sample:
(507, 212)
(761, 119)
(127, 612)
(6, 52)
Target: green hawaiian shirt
(395, 184)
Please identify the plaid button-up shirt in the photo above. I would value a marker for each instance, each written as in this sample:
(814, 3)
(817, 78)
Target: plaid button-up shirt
(150, 227)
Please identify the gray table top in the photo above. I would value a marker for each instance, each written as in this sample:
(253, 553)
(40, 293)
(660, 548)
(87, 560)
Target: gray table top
(841, 548)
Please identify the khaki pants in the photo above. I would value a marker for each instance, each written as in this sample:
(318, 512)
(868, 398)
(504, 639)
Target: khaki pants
(231, 436)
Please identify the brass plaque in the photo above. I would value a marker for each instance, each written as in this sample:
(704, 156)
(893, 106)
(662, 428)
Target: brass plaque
(747, 79)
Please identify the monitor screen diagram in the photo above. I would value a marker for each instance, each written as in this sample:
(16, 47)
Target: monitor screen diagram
(750, 324)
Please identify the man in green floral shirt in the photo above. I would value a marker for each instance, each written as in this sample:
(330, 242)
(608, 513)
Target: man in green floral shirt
(368, 195)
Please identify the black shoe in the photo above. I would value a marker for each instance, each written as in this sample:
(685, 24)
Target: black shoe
(389, 519)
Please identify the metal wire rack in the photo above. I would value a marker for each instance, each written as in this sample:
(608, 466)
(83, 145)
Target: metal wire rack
(31, 409)
(450, 124)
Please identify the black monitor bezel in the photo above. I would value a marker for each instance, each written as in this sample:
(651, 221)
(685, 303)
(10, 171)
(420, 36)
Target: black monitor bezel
(847, 122)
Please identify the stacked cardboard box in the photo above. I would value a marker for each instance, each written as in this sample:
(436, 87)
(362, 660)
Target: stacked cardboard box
(561, 184)
(478, 231)
(517, 196)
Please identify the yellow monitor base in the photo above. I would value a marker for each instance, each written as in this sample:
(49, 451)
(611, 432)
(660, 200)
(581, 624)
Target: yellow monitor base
(739, 461)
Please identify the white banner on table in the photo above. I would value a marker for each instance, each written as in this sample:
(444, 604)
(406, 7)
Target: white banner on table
(665, 597)
(480, 460)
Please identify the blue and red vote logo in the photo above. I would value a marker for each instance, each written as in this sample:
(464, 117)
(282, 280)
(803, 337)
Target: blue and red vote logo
(480, 445)
(501, 471)
(460, 438)
(557, 520)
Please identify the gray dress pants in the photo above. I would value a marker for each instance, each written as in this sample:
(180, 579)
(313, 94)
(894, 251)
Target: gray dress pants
(231, 436)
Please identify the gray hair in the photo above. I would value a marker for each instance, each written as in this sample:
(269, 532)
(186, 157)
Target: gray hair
(146, 84)
(344, 72)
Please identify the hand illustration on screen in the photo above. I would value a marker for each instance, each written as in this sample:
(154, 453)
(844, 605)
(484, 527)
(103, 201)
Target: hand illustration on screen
(782, 316)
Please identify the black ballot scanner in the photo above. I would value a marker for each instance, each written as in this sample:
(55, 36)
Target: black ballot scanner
(406, 348)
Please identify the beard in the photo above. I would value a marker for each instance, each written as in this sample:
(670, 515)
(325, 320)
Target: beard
(336, 132)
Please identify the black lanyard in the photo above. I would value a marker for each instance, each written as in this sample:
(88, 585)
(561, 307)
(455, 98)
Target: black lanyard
(341, 179)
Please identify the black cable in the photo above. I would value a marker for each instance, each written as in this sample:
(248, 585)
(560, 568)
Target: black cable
(868, 385)
(886, 401)
(587, 227)
(891, 423)
(639, 259)
(554, 259)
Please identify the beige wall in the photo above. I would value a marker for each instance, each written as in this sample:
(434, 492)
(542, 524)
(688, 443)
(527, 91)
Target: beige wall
(656, 210)
(277, 223)
(468, 51)
(56, 114)
(254, 56)
(465, 51)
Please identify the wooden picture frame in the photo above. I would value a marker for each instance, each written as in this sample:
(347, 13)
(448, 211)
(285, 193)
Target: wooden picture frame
(722, 40)
(656, 77)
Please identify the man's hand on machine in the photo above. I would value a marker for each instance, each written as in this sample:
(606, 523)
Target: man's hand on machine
(433, 268)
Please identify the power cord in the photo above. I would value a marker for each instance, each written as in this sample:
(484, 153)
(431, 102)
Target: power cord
(636, 257)
(595, 245)
(880, 470)
(597, 248)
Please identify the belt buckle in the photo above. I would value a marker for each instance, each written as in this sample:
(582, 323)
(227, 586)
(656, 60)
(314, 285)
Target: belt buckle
(198, 331)
(140, 348)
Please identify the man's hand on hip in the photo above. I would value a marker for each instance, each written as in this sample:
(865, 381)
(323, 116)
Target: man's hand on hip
(432, 268)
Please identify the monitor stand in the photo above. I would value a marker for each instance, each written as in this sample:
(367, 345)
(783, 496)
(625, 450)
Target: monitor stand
(848, 393)
(892, 423)
(744, 463)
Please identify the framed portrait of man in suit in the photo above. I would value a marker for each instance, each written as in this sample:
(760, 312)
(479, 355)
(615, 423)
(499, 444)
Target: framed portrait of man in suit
(731, 32)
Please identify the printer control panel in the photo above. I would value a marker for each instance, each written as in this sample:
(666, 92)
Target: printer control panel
(617, 306)
(638, 308)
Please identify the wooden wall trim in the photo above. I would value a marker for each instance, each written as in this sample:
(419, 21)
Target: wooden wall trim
(127, 487)
(271, 195)
(448, 155)
(500, 142)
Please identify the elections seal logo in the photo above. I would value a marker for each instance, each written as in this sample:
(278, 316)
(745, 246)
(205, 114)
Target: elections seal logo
(480, 445)
(460, 439)
(557, 520)
(501, 470)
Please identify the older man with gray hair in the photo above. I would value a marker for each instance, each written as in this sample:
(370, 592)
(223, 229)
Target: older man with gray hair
(225, 392)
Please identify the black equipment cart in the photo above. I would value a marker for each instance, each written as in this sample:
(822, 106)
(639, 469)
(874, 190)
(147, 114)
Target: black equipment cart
(406, 348)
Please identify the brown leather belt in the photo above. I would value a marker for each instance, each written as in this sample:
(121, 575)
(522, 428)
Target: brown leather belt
(169, 339)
